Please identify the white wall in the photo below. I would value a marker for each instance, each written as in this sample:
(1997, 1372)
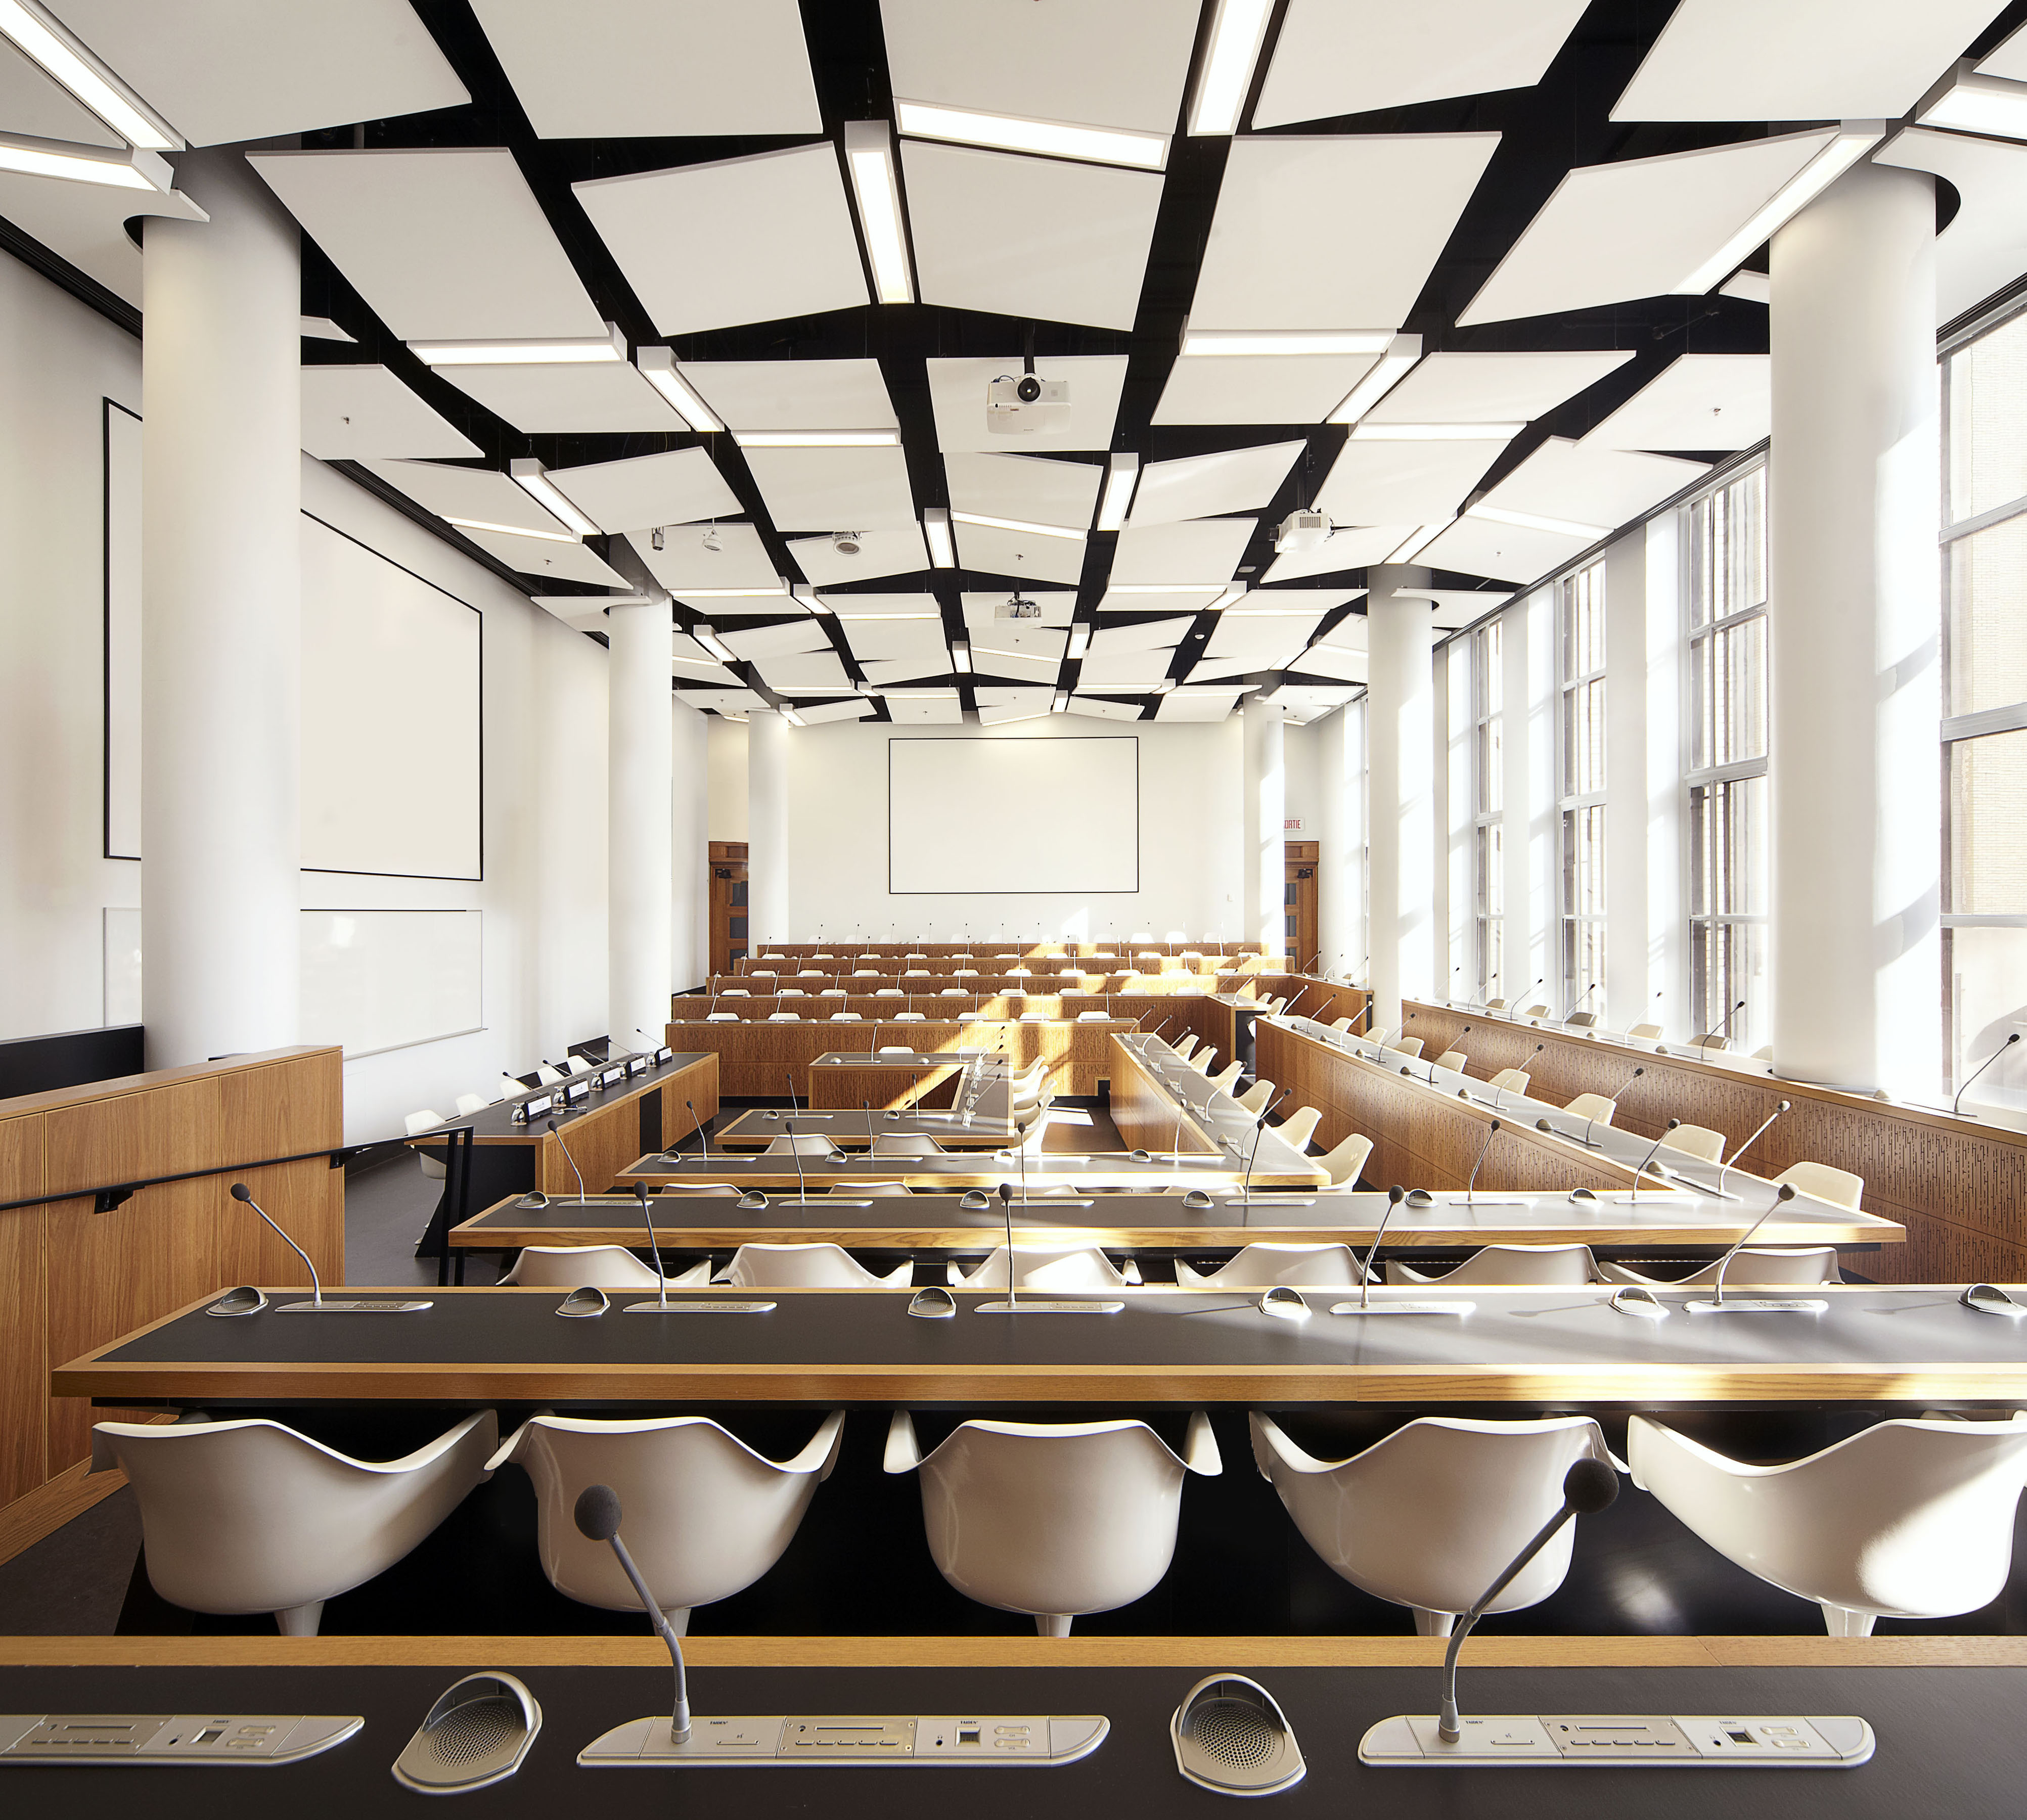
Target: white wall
(726, 765)
(1190, 803)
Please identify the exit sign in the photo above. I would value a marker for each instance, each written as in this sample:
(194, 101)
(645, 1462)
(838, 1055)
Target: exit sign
(1292, 825)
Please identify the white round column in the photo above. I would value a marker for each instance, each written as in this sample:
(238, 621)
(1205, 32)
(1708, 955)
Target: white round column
(690, 885)
(640, 848)
(1853, 767)
(1264, 732)
(767, 828)
(221, 662)
(1401, 758)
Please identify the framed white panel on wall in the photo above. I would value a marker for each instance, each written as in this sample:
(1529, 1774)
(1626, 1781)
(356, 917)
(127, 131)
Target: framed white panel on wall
(122, 631)
(393, 719)
(376, 979)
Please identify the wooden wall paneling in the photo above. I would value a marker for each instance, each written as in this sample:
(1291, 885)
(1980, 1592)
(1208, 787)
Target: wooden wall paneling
(1145, 1112)
(24, 1357)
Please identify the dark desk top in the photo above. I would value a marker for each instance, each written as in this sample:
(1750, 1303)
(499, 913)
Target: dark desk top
(495, 1125)
(1949, 1741)
(1094, 1170)
(852, 1129)
(860, 1345)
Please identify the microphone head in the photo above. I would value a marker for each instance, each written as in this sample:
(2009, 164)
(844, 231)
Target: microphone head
(597, 1512)
(1780, 1106)
(1588, 1487)
(640, 1193)
(2014, 1037)
(1543, 1125)
(1495, 1125)
(1786, 1192)
(1673, 1123)
(1006, 1191)
(242, 1192)
(1396, 1195)
(550, 1123)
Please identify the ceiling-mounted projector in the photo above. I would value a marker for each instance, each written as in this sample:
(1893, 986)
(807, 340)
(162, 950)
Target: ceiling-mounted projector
(1301, 531)
(1015, 606)
(1020, 404)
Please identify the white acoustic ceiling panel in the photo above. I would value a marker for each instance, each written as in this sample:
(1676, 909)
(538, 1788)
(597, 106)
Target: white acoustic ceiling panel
(1799, 60)
(1015, 666)
(446, 245)
(1202, 486)
(851, 609)
(1146, 635)
(1334, 233)
(1720, 401)
(1396, 483)
(884, 550)
(1018, 486)
(1590, 484)
(1504, 553)
(678, 488)
(1139, 671)
(691, 671)
(957, 395)
(1354, 56)
(996, 706)
(655, 69)
(1317, 600)
(817, 713)
(86, 223)
(608, 398)
(1092, 707)
(1098, 63)
(940, 708)
(1339, 660)
(32, 102)
(885, 672)
(1203, 550)
(686, 561)
(546, 561)
(224, 71)
(481, 495)
(1305, 702)
(894, 639)
(1346, 549)
(1349, 633)
(806, 673)
(1023, 555)
(1468, 388)
(744, 240)
(833, 490)
(1028, 237)
(2010, 60)
(783, 638)
(1260, 388)
(982, 607)
(1451, 609)
(1166, 600)
(1198, 704)
(1022, 638)
(724, 701)
(362, 413)
(1985, 247)
(1276, 636)
(1611, 233)
(795, 394)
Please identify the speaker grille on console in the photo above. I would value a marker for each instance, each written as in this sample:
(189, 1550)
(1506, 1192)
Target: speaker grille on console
(475, 1729)
(1234, 1732)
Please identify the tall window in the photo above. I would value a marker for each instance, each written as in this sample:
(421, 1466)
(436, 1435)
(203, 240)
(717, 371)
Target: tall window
(1580, 793)
(1725, 590)
(1984, 730)
(1488, 798)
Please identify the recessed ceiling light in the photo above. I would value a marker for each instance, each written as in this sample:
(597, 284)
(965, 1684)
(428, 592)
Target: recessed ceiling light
(1387, 372)
(1019, 525)
(42, 38)
(817, 438)
(1017, 133)
(868, 156)
(1226, 76)
(715, 644)
(961, 655)
(1535, 522)
(1080, 640)
(1061, 701)
(936, 531)
(528, 475)
(780, 588)
(659, 366)
(1165, 587)
(1419, 541)
(512, 530)
(1853, 139)
(1436, 432)
(113, 169)
(1976, 104)
(1122, 474)
(794, 719)
(567, 351)
(1230, 597)
(1267, 344)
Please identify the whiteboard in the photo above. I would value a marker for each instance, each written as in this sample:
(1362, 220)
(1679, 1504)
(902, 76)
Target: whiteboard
(122, 632)
(1005, 815)
(392, 722)
(374, 980)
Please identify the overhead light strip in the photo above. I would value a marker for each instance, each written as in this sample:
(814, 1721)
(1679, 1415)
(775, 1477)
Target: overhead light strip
(103, 166)
(1853, 139)
(45, 42)
(1165, 587)
(780, 590)
(1414, 546)
(657, 366)
(512, 530)
(817, 438)
(1402, 353)
(609, 348)
(533, 479)
(1271, 343)
(1047, 139)
(1435, 432)
(936, 531)
(1535, 522)
(715, 644)
(876, 186)
(1122, 476)
(1971, 103)
(1226, 78)
(1024, 527)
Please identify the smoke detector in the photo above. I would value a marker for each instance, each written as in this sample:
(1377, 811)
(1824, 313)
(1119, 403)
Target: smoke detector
(1301, 531)
(846, 543)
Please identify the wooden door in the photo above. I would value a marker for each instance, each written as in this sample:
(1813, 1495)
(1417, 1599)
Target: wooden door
(727, 904)
(1298, 901)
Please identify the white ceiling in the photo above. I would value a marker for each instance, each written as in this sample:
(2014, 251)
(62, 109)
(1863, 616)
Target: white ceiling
(1410, 483)
(443, 245)
(608, 398)
(640, 68)
(1098, 63)
(1202, 486)
(1259, 389)
(816, 713)
(794, 394)
(1019, 554)
(1020, 486)
(33, 103)
(360, 413)
(957, 395)
(545, 562)
(1504, 553)
(785, 638)
(675, 489)
(86, 223)
(1132, 671)
(884, 550)
(744, 240)
(1639, 228)
(1168, 601)
(892, 609)
(996, 706)
(1353, 56)
(2010, 60)
(1985, 247)
(1197, 704)
(833, 490)
(1799, 59)
(885, 673)
(221, 71)
(1346, 549)
(732, 701)
(944, 709)
(893, 640)
(1057, 606)
(1147, 635)
(1332, 233)
(810, 673)
(1201, 550)
(480, 493)
(1266, 635)
(1092, 708)
(1589, 483)
(1492, 388)
(1721, 401)
(683, 564)
(1028, 237)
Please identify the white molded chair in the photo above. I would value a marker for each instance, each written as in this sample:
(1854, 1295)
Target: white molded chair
(595, 1267)
(1074, 1268)
(1453, 1059)
(910, 1017)
(1406, 1045)
(1429, 1516)
(812, 1146)
(248, 1516)
(791, 992)
(1260, 1265)
(1342, 1022)
(865, 972)
(1838, 1187)
(1342, 1162)
(1185, 1049)
(953, 992)
(863, 1191)
(546, 1075)
(1755, 1267)
(1299, 1127)
(819, 1266)
(703, 1515)
(468, 1103)
(735, 992)
(1224, 1079)
(833, 992)
(1594, 1106)
(1056, 1519)
(1509, 1267)
(1510, 1080)
(1535, 1011)
(1646, 1032)
(1258, 1097)
(1697, 1140)
(890, 992)
(784, 1017)
(1908, 1519)
(896, 1144)
(425, 1120)
(1201, 1060)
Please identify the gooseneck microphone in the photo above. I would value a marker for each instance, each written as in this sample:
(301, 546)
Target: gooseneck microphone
(795, 1151)
(1570, 1010)
(690, 1107)
(242, 1192)
(790, 1079)
(1395, 1195)
(1589, 1487)
(1782, 1195)
(1471, 1187)
(1957, 1102)
(1780, 1106)
(555, 1132)
(1644, 1161)
(1259, 1130)
(654, 1250)
(1006, 1213)
(597, 1515)
(1723, 1028)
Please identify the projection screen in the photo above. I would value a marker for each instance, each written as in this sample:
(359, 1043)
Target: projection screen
(1058, 815)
